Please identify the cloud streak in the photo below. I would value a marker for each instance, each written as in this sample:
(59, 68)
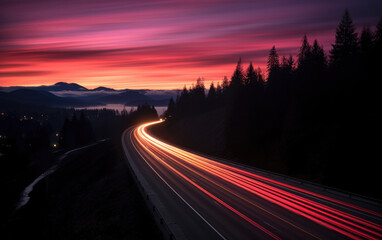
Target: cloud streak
(24, 73)
(158, 44)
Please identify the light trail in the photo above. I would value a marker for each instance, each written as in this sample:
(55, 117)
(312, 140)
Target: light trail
(228, 179)
(213, 196)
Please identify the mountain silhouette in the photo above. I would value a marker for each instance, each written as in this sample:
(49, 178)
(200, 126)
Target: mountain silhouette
(42, 98)
(73, 94)
(103, 89)
(63, 86)
(60, 86)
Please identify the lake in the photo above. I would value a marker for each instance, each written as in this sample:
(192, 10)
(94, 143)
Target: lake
(120, 107)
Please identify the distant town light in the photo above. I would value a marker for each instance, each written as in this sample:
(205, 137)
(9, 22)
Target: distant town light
(54, 145)
(56, 134)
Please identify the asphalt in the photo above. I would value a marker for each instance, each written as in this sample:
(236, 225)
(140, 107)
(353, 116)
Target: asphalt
(210, 199)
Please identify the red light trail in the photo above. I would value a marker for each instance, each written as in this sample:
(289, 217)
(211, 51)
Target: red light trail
(212, 178)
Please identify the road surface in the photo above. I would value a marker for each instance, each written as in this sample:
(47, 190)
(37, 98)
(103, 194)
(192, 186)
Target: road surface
(212, 199)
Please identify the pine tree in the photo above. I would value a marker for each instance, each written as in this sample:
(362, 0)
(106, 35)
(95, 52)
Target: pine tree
(318, 56)
(225, 84)
(219, 91)
(182, 102)
(273, 63)
(346, 43)
(200, 83)
(273, 66)
(199, 89)
(291, 63)
(184, 91)
(197, 96)
(251, 76)
(211, 91)
(237, 78)
(170, 108)
(305, 53)
(260, 78)
(212, 97)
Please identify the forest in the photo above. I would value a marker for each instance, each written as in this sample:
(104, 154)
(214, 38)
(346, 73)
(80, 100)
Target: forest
(312, 117)
(32, 136)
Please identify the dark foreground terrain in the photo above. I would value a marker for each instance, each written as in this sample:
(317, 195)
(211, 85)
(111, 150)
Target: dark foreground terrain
(91, 196)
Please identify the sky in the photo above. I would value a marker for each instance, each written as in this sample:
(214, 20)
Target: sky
(149, 44)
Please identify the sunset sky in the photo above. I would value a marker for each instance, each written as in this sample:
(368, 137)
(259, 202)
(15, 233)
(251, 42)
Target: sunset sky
(158, 44)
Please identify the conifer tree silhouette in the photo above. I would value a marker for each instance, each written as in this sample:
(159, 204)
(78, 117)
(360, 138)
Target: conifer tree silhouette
(346, 43)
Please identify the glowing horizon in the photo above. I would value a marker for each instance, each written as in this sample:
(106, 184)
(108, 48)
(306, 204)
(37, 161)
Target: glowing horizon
(158, 45)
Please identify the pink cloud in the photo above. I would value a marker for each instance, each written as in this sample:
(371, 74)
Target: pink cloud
(158, 44)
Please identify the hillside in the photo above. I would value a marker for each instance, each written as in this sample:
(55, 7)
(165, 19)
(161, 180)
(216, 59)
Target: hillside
(91, 196)
(41, 98)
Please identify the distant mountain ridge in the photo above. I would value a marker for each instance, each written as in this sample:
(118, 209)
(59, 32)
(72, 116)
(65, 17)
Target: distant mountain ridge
(64, 94)
(60, 86)
(40, 98)
(103, 89)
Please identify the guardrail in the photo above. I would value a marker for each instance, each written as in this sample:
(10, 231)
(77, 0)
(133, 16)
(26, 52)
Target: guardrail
(168, 227)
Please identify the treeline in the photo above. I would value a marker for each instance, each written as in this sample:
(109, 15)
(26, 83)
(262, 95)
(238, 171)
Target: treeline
(77, 132)
(23, 132)
(314, 116)
(143, 113)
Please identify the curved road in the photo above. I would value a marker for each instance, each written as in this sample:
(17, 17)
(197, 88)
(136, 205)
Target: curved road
(212, 199)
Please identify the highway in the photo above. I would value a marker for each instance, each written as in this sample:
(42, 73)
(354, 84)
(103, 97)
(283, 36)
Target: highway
(212, 199)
